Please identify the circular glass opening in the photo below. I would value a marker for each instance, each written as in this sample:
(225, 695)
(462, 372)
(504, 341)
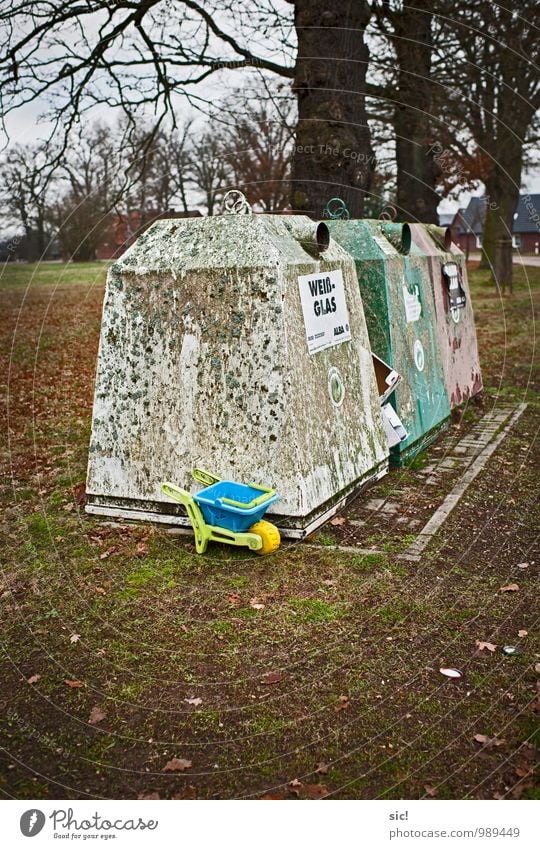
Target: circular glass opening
(336, 387)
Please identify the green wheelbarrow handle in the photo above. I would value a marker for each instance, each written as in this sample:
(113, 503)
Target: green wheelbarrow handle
(205, 477)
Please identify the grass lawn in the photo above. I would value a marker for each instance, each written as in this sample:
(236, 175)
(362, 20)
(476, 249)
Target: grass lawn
(122, 649)
(52, 273)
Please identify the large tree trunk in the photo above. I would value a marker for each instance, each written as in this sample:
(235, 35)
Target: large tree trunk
(497, 240)
(502, 190)
(417, 149)
(333, 153)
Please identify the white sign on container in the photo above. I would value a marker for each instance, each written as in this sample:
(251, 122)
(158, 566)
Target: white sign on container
(326, 317)
(413, 307)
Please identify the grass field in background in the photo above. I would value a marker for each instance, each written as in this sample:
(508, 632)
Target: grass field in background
(52, 273)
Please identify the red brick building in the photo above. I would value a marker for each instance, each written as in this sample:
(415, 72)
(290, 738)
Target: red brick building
(468, 225)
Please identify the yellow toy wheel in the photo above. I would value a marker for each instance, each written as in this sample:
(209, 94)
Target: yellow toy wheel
(269, 535)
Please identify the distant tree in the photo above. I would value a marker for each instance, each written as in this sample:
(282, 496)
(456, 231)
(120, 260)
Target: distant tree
(209, 168)
(259, 147)
(493, 53)
(92, 176)
(144, 54)
(409, 29)
(170, 172)
(25, 192)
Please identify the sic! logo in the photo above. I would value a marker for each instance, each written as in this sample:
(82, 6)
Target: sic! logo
(32, 822)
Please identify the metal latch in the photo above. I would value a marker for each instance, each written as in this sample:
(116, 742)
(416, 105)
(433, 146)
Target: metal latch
(456, 295)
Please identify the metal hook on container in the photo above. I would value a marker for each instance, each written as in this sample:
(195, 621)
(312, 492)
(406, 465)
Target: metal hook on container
(336, 208)
(235, 203)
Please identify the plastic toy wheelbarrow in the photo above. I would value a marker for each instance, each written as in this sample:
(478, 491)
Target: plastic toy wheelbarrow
(229, 512)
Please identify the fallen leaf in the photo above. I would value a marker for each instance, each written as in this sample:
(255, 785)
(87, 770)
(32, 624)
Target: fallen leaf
(450, 672)
(195, 701)
(315, 791)
(141, 548)
(272, 678)
(524, 771)
(100, 590)
(96, 715)
(105, 554)
(189, 792)
(482, 645)
(233, 599)
(343, 703)
(537, 667)
(431, 791)
(322, 768)
(295, 786)
(74, 638)
(148, 796)
(338, 520)
(74, 684)
(509, 588)
(489, 742)
(522, 632)
(34, 679)
(271, 797)
(256, 604)
(177, 765)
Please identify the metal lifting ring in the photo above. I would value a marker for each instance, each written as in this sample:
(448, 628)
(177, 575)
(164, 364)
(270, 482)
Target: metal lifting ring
(235, 203)
(336, 208)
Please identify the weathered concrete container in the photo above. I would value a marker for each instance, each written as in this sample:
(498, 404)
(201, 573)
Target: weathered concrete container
(400, 314)
(238, 344)
(453, 310)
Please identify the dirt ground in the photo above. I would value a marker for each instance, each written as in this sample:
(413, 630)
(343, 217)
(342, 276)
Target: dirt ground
(133, 668)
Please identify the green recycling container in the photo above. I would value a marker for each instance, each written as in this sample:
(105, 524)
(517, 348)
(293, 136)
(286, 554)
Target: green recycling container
(400, 314)
(453, 310)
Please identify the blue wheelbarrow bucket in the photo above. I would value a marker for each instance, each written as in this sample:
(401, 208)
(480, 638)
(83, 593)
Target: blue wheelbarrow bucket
(234, 506)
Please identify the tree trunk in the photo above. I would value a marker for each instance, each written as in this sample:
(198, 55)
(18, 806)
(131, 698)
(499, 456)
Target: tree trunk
(333, 153)
(418, 153)
(502, 190)
(497, 240)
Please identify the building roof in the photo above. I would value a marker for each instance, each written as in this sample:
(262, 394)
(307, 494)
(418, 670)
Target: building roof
(527, 215)
(472, 218)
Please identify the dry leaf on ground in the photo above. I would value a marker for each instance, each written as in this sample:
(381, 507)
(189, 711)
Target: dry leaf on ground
(315, 791)
(96, 715)
(177, 765)
(484, 740)
(509, 588)
(482, 645)
(272, 678)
